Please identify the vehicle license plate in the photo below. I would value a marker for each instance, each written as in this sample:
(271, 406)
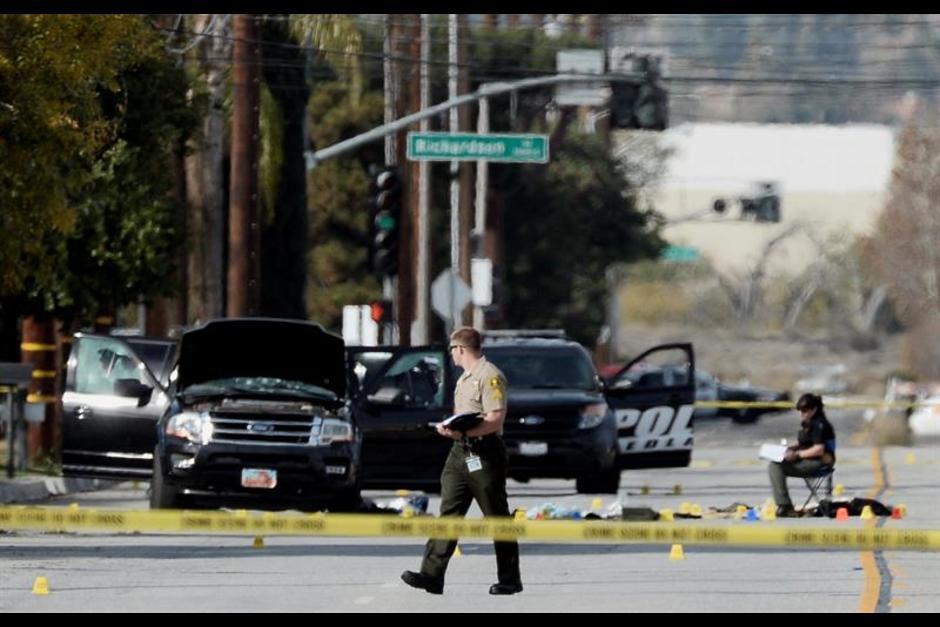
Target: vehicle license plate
(259, 478)
(533, 449)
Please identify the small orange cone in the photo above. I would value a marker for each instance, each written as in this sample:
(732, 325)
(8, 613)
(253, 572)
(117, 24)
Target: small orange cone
(676, 552)
(41, 587)
(842, 514)
(896, 513)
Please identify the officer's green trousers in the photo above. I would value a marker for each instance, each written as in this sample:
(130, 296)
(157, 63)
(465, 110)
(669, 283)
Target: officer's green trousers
(779, 471)
(459, 487)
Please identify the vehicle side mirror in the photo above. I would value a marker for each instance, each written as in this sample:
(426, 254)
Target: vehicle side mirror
(623, 384)
(390, 397)
(132, 388)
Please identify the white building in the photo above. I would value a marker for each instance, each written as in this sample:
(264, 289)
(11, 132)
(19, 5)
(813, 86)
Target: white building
(832, 179)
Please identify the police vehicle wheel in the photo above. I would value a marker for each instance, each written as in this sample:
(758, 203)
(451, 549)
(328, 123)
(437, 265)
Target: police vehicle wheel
(162, 496)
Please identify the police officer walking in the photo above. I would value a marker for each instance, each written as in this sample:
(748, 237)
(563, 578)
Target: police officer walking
(476, 467)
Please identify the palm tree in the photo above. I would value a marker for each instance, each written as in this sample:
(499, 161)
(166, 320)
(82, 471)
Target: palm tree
(289, 43)
(288, 46)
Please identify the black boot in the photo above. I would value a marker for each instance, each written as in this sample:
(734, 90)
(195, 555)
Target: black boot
(423, 582)
(505, 588)
(786, 511)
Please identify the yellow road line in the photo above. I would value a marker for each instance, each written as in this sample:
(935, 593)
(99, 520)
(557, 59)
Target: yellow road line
(872, 588)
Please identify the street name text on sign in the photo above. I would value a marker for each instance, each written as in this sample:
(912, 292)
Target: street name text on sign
(511, 147)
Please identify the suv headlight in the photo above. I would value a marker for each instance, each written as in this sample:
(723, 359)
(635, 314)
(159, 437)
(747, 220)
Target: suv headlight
(332, 430)
(592, 415)
(190, 425)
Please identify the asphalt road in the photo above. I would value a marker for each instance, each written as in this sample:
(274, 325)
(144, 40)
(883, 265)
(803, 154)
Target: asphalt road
(210, 574)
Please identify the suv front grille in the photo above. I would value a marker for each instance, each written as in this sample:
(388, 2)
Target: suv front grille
(560, 424)
(242, 428)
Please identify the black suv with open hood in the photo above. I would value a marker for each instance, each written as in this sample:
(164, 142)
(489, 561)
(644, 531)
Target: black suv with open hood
(250, 410)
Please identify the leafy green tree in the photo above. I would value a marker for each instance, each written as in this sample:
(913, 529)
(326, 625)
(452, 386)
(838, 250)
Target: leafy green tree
(103, 230)
(53, 70)
(564, 225)
(338, 205)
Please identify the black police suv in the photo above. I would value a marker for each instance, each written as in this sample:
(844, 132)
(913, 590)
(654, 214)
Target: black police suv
(249, 411)
(563, 421)
(559, 424)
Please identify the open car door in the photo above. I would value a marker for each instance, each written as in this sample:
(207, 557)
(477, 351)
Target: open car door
(653, 397)
(412, 387)
(111, 405)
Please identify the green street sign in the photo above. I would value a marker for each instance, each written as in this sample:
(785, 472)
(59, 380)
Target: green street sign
(680, 254)
(511, 148)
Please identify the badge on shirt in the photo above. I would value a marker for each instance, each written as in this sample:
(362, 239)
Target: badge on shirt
(474, 464)
(497, 388)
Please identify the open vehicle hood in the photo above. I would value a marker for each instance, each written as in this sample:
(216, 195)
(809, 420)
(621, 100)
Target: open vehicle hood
(262, 347)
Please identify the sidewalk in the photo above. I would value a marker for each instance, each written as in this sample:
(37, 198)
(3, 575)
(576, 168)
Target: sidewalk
(31, 488)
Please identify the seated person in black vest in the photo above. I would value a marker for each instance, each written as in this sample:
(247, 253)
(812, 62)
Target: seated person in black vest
(815, 448)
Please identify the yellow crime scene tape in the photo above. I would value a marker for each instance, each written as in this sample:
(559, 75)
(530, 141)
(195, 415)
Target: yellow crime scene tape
(364, 525)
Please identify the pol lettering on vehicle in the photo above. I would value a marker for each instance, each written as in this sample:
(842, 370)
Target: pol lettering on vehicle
(662, 427)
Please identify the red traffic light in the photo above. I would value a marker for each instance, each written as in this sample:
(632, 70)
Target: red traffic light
(381, 310)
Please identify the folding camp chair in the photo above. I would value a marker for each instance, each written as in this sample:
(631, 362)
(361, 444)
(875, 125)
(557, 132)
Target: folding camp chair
(820, 478)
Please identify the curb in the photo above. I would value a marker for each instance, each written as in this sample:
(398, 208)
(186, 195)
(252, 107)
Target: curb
(41, 489)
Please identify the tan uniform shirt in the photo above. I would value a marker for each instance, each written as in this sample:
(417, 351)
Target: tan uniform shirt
(481, 389)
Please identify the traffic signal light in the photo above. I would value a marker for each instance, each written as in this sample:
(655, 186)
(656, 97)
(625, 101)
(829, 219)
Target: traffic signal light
(381, 311)
(644, 105)
(386, 218)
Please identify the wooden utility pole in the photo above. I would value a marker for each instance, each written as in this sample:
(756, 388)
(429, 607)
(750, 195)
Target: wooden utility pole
(411, 169)
(466, 167)
(420, 331)
(244, 267)
(39, 349)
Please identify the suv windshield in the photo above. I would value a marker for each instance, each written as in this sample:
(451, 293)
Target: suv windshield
(543, 368)
(259, 385)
